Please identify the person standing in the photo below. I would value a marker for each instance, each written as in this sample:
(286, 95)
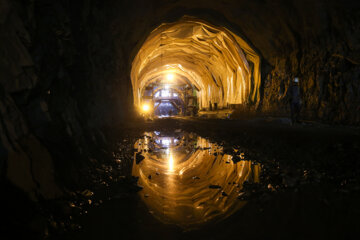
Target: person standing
(294, 97)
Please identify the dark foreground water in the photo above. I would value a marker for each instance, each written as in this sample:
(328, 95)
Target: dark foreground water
(188, 180)
(175, 184)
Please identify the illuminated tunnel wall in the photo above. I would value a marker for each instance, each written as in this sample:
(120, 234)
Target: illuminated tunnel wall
(220, 64)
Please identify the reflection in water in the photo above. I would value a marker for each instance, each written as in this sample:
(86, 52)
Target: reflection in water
(188, 180)
(171, 163)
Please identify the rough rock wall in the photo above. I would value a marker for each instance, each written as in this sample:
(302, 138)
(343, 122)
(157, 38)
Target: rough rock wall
(319, 41)
(324, 53)
(65, 70)
(22, 155)
(51, 109)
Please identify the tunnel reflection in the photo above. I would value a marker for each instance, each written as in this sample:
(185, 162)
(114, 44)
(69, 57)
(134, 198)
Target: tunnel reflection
(188, 180)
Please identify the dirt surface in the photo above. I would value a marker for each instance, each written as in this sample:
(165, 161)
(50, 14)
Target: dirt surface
(309, 186)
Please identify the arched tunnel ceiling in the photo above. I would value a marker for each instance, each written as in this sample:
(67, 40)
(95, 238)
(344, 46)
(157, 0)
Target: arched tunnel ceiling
(215, 60)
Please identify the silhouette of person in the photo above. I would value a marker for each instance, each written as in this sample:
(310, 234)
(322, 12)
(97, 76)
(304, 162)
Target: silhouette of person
(294, 97)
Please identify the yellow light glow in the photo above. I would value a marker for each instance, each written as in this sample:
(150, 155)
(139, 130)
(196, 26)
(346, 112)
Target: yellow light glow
(170, 76)
(145, 107)
(213, 59)
(171, 163)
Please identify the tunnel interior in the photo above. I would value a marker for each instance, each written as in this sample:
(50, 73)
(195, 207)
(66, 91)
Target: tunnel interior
(90, 147)
(208, 66)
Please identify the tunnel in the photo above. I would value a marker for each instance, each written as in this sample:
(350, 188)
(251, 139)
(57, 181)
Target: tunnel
(214, 67)
(179, 119)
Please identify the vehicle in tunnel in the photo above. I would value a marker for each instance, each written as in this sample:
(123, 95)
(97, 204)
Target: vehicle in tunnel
(166, 109)
(170, 96)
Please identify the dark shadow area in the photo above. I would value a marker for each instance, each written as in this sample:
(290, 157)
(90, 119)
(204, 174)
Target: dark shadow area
(305, 190)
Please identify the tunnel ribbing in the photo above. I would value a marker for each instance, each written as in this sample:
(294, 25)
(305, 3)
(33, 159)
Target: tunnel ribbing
(213, 59)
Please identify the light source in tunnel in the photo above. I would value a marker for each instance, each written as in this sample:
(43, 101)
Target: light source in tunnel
(146, 108)
(166, 142)
(171, 163)
(165, 92)
(170, 77)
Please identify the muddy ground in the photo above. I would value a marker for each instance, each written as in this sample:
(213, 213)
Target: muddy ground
(309, 188)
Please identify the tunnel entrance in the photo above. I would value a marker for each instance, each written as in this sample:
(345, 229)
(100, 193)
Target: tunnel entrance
(167, 99)
(190, 66)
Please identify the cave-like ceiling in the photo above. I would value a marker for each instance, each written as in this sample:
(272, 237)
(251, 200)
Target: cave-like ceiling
(220, 64)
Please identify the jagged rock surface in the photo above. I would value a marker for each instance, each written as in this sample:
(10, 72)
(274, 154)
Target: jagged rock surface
(65, 70)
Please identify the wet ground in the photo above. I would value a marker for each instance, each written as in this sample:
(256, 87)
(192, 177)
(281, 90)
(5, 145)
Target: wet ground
(217, 179)
(189, 181)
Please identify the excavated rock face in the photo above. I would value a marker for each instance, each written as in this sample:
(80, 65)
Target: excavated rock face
(317, 41)
(50, 109)
(65, 69)
(322, 49)
(214, 60)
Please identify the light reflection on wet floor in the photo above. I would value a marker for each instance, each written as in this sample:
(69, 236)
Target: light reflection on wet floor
(187, 180)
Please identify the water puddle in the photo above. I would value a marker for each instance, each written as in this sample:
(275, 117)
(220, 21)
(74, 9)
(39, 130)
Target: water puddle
(188, 180)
